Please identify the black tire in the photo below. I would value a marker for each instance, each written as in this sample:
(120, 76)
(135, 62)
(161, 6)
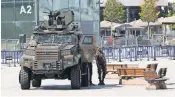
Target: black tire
(75, 77)
(85, 78)
(25, 78)
(19, 76)
(36, 82)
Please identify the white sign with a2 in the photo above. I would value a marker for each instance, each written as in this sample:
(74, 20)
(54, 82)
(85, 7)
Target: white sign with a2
(26, 9)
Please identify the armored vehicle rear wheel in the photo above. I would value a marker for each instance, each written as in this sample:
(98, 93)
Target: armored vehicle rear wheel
(75, 77)
(85, 76)
(36, 82)
(25, 78)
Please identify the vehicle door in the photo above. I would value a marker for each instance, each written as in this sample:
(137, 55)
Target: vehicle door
(88, 44)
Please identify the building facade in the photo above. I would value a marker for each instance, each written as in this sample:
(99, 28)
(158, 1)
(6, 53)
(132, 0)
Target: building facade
(20, 16)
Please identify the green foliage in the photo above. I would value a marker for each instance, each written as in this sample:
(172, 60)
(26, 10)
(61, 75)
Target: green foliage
(169, 14)
(173, 7)
(173, 27)
(172, 14)
(114, 11)
(149, 11)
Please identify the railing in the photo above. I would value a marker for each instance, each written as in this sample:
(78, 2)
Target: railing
(11, 44)
(136, 53)
(133, 53)
(11, 56)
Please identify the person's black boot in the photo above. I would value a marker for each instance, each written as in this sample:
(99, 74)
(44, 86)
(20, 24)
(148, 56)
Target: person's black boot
(100, 82)
(91, 84)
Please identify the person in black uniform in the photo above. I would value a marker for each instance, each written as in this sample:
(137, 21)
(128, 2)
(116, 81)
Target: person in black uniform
(90, 78)
(101, 65)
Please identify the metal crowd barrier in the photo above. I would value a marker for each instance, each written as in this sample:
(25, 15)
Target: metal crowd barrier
(133, 53)
(12, 56)
(136, 53)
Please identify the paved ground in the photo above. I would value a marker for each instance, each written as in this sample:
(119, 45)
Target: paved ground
(10, 85)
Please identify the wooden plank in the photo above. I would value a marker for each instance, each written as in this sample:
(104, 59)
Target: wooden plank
(113, 67)
(139, 71)
(122, 72)
(129, 71)
(110, 68)
(131, 75)
(117, 66)
(132, 65)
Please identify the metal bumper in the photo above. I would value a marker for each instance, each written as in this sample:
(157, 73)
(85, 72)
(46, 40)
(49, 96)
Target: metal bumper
(46, 71)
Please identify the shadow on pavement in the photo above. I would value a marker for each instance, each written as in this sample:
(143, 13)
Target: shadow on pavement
(68, 87)
(170, 84)
(165, 89)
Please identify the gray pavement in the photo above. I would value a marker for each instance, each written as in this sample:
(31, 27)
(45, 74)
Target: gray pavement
(10, 85)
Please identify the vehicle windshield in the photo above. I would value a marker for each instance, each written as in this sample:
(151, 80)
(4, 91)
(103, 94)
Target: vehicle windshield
(54, 38)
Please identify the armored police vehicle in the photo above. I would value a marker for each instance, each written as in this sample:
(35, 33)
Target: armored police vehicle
(55, 51)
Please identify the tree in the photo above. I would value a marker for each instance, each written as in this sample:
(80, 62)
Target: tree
(171, 9)
(149, 12)
(114, 12)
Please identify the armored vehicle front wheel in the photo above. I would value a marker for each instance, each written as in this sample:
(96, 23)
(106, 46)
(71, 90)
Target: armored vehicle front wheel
(75, 77)
(36, 82)
(25, 78)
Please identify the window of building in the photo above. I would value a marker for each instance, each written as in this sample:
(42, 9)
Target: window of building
(74, 5)
(7, 0)
(96, 9)
(86, 10)
(7, 11)
(24, 28)
(8, 30)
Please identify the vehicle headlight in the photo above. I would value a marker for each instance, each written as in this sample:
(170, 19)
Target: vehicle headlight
(66, 52)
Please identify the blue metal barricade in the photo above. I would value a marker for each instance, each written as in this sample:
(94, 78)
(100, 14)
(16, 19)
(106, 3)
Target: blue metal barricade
(134, 53)
(16, 55)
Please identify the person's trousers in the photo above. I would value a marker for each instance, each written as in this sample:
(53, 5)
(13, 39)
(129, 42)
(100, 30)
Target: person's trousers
(101, 71)
(90, 71)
